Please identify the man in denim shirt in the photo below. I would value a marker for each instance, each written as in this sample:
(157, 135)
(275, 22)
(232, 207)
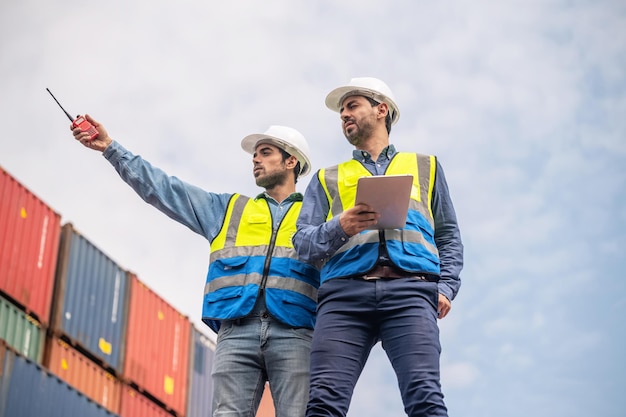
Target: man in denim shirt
(389, 284)
(259, 296)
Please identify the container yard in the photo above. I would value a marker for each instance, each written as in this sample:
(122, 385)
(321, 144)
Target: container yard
(86, 334)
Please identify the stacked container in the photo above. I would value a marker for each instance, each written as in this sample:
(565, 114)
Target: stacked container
(82, 336)
(200, 399)
(157, 348)
(91, 301)
(27, 389)
(29, 241)
(83, 374)
(266, 407)
(20, 331)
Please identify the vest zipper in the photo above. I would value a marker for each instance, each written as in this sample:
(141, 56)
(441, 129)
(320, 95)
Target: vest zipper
(270, 250)
(268, 259)
(383, 253)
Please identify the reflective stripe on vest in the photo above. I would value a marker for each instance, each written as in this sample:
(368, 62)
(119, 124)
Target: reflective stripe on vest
(416, 240)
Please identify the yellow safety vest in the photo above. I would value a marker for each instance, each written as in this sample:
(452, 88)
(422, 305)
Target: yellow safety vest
(248, 255)
(411, 249)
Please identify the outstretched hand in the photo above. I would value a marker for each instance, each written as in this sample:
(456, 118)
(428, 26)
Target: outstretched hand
(100, 143)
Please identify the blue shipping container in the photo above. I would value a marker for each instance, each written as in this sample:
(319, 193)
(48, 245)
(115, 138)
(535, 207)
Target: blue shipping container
(29, 390)
(90, 305)
(200, 379)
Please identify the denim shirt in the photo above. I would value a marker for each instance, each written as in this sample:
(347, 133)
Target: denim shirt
(201, 211)
(316, 239)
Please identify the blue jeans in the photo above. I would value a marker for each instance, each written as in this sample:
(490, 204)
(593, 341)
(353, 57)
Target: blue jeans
(353, 315)
(252, 351)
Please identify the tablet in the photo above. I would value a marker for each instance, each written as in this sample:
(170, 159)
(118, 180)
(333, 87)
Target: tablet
(389, 195)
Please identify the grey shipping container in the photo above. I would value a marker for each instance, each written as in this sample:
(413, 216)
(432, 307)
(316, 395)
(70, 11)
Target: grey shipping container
(90, 305)
(21, 331)
(200, 379)
(29, 390)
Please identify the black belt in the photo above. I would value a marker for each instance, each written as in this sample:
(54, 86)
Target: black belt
(389, 272)
(253, 316)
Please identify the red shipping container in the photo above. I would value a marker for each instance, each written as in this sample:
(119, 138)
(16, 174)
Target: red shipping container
(135, 404)
(158, 342)
(266, 408)
(83, 374)
(29, 242)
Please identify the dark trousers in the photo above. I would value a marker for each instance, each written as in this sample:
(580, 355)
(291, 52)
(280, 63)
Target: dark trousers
(353, 315)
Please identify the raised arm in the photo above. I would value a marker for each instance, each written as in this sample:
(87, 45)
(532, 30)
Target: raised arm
(199, 210)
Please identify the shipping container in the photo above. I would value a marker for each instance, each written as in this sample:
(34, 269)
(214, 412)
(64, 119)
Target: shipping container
(266, 408)
(20, 331)
(29, 390)
(157, 348)
(90, 300)
(200, 379)
(135, 404)
(29, 241)
(83, 374)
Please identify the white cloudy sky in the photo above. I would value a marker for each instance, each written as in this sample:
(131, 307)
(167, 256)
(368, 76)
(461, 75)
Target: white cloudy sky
(524, 102)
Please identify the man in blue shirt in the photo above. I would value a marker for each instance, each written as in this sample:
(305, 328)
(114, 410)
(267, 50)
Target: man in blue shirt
(389, 284)
(259, 296)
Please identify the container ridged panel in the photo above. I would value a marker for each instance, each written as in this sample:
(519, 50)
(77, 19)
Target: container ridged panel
(83, 374)
(200, 379)
(27, 389)
(135, 404)
(91, 300)
(29, 241)
(20, 331)
(157, 348)
(266, 408)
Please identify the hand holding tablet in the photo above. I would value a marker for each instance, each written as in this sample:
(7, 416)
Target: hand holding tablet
(389, 195)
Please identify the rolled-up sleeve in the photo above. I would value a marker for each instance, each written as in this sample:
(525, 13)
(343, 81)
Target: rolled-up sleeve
(201, 211)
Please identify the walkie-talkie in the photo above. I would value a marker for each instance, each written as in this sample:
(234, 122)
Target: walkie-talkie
(79, 122)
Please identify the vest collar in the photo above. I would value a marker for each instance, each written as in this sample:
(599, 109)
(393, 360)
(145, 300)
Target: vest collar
(293, 197)
(364, 156)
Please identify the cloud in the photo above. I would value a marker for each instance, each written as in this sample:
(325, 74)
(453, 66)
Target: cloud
(522, 102)
(458, 375)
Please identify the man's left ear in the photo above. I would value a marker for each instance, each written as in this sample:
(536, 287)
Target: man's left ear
(291, 162)
(383, 109)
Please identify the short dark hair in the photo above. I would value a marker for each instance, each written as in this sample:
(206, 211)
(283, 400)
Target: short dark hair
(375, 103)
(296, 170)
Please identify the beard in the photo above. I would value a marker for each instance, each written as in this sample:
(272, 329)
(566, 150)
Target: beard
(359, 132)
(272, 180)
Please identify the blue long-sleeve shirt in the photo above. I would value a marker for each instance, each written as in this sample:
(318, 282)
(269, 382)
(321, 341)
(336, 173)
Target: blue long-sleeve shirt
(199, 210)
(316, 239)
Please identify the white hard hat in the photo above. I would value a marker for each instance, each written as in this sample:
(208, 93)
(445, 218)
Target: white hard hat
(286, 138)
(367, 87)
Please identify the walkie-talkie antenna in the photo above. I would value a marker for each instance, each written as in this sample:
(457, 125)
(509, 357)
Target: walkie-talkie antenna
(79, 122)
(55, 99)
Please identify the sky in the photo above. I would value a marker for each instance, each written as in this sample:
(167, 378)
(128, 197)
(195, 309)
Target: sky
(523, 102)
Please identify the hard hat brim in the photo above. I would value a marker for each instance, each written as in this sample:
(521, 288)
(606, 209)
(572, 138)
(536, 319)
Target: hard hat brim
(339, 94)
(250, 143)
